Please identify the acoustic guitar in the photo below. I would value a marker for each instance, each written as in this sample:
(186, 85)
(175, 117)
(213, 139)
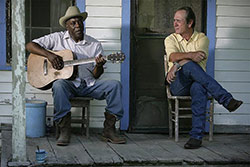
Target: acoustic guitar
(41, 74)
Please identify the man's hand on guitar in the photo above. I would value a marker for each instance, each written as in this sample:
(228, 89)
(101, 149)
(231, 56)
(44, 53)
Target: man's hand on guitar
(56, 61)
(100, 61)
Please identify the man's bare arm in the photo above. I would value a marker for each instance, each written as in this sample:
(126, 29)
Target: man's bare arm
(56, 61)
(98, 70)
(183, 58)
(197, 56)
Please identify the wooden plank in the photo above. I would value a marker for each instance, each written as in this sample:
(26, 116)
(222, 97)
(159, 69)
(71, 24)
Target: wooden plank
(177, 150)
(150, 146)
(230, 129)
(223, 119)
(6, 120)
(232, 32)
(46, 97)
(111, 34)
(103, 22)
(243, 110)
(224, 147)
(98, 122)
(232, 54)
(6, 151)
(43, 143)
(108, 76)
(31, 89)
(5, 87)
(233, 43)
(107, 52)
(101, 153)
(232, 65)
(97, 102)
(233, 22)
(6, 110)
(113, 67)
(132, 153)
(232, 76)
(240, 139)
(72, 154)
(104, 11)
(109, 45)
(204, 153)
(6, 76)
(103, 2)
(233, 2)
(6, 98)
(242, 96)
(241, 11)
(240, 143)
(237, 87)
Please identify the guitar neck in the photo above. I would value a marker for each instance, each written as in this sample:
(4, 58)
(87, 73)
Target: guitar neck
(80, 61)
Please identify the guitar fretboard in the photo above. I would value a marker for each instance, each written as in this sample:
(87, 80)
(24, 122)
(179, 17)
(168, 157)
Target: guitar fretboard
(80, 61)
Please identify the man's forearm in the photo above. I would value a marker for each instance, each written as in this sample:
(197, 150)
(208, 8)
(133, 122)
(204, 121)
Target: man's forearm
(179, 56)
(37, 49)
(98, 71)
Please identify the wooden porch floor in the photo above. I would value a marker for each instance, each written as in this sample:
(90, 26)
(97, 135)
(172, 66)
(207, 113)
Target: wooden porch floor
(140, 150)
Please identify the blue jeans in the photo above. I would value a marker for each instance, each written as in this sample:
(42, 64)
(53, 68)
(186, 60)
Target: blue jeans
(111, 90)
(192, 80)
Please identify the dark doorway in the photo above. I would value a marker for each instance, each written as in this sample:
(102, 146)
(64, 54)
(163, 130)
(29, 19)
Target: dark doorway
(152, 21)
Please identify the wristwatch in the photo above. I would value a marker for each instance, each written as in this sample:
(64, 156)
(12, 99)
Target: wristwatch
(177, 65)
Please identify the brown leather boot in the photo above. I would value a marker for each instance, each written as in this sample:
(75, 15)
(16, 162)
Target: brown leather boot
(109, 133)
(63, 130)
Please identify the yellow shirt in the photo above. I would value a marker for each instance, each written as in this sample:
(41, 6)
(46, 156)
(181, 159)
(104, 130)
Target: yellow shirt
(176, 43)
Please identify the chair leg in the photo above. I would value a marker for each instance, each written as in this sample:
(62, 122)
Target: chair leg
(211, 120)
(176, 120)
(87, 122)
(170, 117)
(83, 120)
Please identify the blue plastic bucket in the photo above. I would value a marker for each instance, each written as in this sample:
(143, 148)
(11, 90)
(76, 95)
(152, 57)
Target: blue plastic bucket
(35, 118)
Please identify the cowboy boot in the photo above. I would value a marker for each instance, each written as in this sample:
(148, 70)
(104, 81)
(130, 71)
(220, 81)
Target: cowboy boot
(109, 133)
(63, 130)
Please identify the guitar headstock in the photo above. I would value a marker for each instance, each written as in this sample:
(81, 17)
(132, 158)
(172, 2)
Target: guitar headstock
(117, 57)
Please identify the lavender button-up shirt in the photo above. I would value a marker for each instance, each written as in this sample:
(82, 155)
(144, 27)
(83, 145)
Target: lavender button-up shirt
(87, 48)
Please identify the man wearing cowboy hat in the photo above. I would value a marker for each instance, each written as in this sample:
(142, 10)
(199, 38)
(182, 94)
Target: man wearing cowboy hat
(86, 83)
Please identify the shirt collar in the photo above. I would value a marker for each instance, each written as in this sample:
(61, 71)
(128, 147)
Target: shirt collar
(84, 41)
(194, 37)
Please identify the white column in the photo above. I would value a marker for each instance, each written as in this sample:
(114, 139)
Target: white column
(18, 81)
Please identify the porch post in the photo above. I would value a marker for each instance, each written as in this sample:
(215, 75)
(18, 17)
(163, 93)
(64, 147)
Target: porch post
(125, 66)
(18, 82)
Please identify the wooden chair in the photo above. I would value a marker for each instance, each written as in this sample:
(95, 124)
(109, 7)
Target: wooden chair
(174, 109)
(84, 103)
